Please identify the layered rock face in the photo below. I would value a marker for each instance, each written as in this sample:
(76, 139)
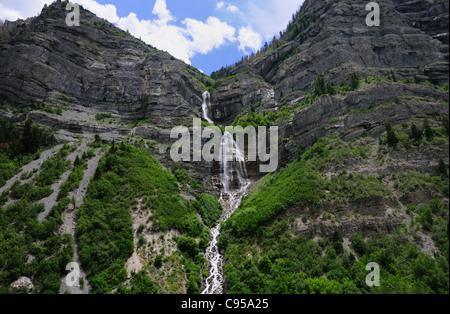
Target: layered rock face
(93, 71)
(97, 68)
(410, 41)
(98, 65)
(428, 16)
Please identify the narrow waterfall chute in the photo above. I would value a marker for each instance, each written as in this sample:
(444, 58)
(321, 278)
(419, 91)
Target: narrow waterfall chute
(206, 106)
(234, 180)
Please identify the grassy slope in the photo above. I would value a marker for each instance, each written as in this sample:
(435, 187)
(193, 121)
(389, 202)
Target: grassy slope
(105, 231)
(264, 256)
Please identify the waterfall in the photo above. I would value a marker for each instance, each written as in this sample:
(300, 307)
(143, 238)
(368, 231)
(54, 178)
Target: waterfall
(206, 106)
(233, 177)
(232, 164)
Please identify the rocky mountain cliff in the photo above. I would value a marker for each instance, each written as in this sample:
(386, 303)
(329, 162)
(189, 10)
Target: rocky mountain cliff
(95, 66)
(332, 40)
(98, 68)
(332, 36)
(330, 83)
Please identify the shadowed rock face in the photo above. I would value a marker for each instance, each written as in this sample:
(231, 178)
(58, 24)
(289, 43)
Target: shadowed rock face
(428, 16)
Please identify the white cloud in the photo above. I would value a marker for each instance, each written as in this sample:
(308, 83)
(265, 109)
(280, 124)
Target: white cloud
(232, 8)
(249, 39)
(9, 14)
(220, 4)
(160, 9)
(158, 33)
(269, 17)
(12, 10)
(207, 36)
(182, 42)
(107, 11)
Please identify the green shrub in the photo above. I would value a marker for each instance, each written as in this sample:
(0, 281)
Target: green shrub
(53, 168)
(391, 137)
(358, 244)
(73, 180)
(209, 208)
(158, 261)
(102, 116)
(188, 245)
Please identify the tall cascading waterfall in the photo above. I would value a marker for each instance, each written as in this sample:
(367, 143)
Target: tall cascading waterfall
(234, 180)
(206, 106)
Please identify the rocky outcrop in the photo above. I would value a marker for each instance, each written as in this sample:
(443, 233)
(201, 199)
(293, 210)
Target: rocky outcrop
(363, 112)
(346, 228)
(23, 283)
(428, 16)
(236, 94)
(364, 216)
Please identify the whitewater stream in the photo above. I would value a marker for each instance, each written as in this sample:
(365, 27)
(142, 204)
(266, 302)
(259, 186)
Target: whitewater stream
(234, 180)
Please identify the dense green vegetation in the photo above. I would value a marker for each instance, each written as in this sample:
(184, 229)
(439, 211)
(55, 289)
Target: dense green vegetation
(124, 175)
(281, 263)
(19, 145)
(302, 183)
(103, 116)
(209, 209)
(264, 256)
(54, 167)
(74, 178)
(183, 178)
(33, 249)
(40, 186)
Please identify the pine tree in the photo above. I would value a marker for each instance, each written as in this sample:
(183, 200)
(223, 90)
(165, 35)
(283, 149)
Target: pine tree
(97, 173)
(78, 161)
(319, 85)
(417, 79)
(445, 123)
(113, 148)
(354, 81)
(393, 76)
(429, 133)
(31, 138)
(416, 134)
(442, 168)
(331, 90)
(392, 139)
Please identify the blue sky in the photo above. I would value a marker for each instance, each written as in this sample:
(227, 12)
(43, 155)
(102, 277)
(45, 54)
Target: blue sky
(208, 34)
